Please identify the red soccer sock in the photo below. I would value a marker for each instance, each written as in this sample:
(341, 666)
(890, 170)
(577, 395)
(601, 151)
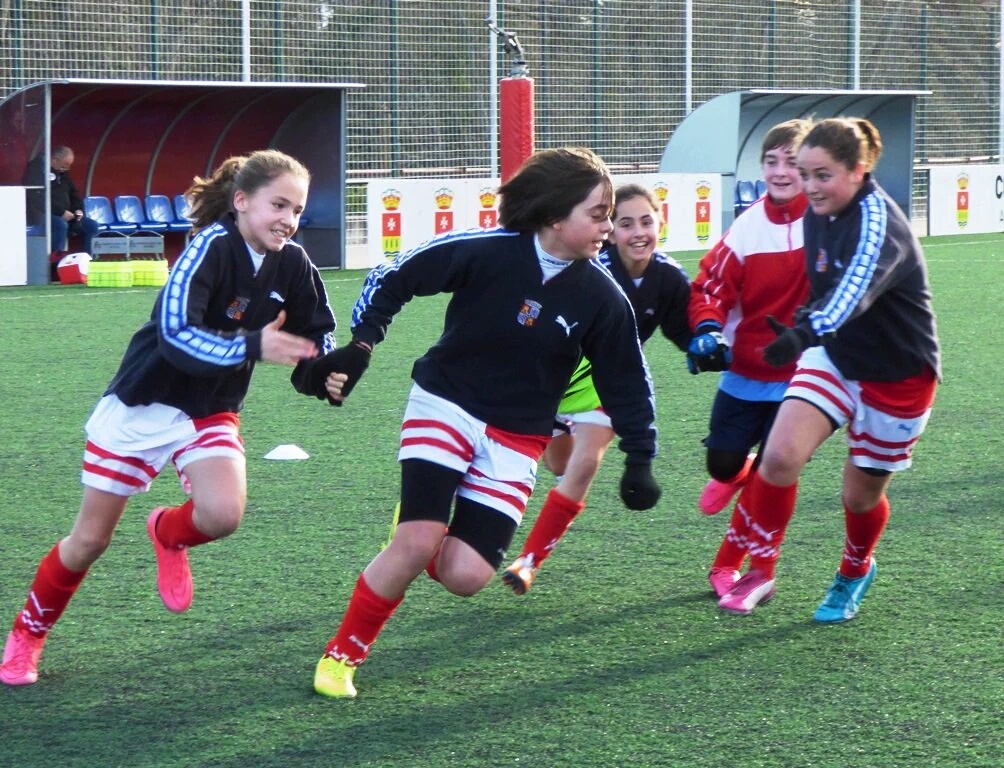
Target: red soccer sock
(49, 595)
(555, 517)
(431, 567)
(732, 551)
(176, 528)
(770, 508)
(364, 619)
(863, 533)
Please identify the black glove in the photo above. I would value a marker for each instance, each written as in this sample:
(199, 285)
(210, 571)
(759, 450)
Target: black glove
(708, 350)
(352, 359)
(788, 345)
(638, 488)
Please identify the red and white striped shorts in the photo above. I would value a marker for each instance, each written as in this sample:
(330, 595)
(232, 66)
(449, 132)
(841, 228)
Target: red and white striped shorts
(499, 467)
(128, 446)
(884, 419)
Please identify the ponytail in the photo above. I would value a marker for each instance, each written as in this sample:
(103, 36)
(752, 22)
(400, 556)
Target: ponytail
(211, 198)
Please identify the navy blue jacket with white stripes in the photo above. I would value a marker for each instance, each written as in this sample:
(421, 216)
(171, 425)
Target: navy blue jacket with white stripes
(199, 347)
(661, 301)
(870, 300)
(511, 341)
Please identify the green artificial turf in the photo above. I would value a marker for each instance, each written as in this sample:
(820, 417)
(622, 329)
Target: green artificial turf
(618, 656)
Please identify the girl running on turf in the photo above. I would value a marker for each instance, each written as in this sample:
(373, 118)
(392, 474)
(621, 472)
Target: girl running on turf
(240, 292)
(528, 300)
(757, 269)
(659, 291)
(868, 358)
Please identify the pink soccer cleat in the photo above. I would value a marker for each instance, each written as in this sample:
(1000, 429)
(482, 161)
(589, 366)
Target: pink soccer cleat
(174, 577)
(716, 495)
(751, 590)
(722, 580)
(20, 658)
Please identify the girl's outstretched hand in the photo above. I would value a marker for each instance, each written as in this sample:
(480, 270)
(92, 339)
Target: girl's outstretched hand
(283, 348)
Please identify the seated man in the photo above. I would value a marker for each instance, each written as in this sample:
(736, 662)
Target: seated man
(65, 201)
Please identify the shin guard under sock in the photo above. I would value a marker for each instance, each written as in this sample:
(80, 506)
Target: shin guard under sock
(770, 508)
(49, 595)
(732, 551)
(364, 619)
(863, 533)
(555, 518)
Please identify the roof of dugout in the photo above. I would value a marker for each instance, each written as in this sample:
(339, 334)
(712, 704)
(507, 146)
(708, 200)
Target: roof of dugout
(142, 137)
(723, 135)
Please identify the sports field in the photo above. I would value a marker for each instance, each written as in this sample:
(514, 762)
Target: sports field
(618, 656)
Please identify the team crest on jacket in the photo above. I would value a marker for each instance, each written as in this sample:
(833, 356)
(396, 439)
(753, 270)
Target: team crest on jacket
(237, 308)
(528, 313)
(821, 261)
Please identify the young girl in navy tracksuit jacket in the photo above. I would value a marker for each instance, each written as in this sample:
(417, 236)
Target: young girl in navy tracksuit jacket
(240, 293)
(528, 301)
(868, 359)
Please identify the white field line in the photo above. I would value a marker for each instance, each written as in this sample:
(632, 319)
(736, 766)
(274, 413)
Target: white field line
(929, 246)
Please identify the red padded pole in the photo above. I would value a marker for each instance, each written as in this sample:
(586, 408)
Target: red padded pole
(516, 129)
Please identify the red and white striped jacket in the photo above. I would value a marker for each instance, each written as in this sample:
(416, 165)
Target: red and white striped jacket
(756, 269)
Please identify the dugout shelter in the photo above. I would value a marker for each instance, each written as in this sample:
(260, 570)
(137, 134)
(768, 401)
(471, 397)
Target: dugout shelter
(137, 137)
(723, 135)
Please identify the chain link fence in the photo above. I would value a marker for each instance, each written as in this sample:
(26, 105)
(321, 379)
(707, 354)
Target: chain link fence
(615, 75)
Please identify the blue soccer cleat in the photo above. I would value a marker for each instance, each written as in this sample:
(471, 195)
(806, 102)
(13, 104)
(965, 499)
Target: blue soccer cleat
(844, 597)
